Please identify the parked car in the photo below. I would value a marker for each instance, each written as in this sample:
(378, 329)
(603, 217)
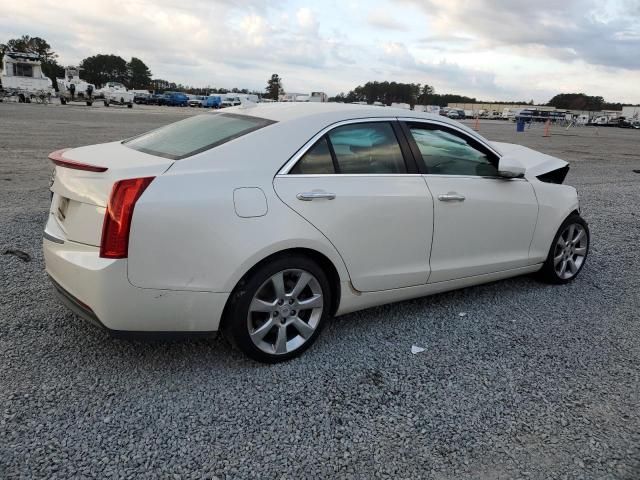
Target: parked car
(624, 122)
(156, 99)
(175, 99)
(230, 101)
(188, 229)
(213, 101)
(197, 101)
(141, 97)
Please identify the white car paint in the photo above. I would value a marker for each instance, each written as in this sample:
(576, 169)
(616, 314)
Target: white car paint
(206, 220)
(490, 231)
(398, 208)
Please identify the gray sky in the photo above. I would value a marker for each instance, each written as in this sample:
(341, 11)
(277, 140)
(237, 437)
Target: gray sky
(490, 49)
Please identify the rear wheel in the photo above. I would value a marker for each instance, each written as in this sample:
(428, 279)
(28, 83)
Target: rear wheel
(278, 312)
(568, 251)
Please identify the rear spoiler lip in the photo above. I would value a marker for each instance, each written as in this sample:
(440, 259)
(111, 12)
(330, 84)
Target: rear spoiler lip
(56, 157)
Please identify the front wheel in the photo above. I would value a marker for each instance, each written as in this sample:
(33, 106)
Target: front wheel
(279, 310)
(568, 251)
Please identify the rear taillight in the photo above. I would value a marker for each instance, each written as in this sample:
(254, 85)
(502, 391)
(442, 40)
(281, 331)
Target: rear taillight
(117, 219)
(56, 157)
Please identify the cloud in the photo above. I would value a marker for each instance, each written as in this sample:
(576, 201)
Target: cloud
(396, 54)
(255, 29)
(307, 20)
(484, 48)
(381, 19)
(587, 30)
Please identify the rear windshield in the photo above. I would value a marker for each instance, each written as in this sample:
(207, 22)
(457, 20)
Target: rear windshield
(195, 134)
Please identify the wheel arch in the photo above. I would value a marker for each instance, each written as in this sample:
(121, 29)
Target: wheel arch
(322, 260)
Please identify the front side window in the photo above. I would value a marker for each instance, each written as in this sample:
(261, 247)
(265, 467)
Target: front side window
(196, 134)
(446, 153)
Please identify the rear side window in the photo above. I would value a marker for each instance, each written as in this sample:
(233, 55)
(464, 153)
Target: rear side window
(367, 148)
(317, 161)
(196, 134)
(359, 148)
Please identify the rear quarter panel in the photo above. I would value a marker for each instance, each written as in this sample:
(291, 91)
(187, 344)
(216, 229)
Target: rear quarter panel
(187, 235)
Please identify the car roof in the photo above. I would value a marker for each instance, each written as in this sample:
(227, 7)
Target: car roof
(311, 117)
(288, 111)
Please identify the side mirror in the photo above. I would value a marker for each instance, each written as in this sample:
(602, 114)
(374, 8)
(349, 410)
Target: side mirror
(510, 167)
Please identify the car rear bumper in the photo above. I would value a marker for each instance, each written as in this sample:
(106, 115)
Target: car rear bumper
(98, 290)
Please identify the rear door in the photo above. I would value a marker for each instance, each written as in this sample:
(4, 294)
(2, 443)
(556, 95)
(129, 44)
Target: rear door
(482, 223)
(358, 185)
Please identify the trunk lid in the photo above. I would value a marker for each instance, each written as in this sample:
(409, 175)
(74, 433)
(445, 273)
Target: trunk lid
(80, 197)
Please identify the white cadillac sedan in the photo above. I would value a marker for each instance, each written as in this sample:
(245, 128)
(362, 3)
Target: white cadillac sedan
(265, 221)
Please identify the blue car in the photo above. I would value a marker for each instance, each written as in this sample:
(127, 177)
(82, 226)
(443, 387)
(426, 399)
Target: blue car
(175, 99)
(213, 101)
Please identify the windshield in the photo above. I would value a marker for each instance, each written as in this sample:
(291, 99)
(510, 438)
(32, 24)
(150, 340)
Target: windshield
(196, 134)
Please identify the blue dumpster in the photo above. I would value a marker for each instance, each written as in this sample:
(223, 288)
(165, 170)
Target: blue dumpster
(520, 125)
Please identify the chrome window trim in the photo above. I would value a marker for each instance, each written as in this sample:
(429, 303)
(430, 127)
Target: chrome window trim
(324, 175)
(477, 138)
(449, 175)
(305, 148)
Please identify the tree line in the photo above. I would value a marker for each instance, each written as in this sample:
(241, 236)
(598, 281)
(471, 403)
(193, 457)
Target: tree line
(134, 74)
(581, 101)
(387, 93)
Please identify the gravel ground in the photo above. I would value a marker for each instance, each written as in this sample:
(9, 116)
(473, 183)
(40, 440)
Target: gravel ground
(534, 382)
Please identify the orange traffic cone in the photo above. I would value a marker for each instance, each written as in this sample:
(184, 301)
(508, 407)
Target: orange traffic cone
(547, 129)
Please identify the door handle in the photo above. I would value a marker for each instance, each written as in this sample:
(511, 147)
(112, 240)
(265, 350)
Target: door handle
(308, 196)
(451, 197)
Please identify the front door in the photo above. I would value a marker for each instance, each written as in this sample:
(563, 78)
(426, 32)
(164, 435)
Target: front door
(354, 186)
(482, 223)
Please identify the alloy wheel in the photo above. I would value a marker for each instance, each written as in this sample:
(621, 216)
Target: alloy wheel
(570, 251)
(285, 311)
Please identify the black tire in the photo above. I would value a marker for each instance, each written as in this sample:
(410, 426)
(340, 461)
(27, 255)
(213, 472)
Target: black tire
(235, 324)
(89, 104)
(129, 105)
(106, 103)
(63, 101)
(548, 271)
